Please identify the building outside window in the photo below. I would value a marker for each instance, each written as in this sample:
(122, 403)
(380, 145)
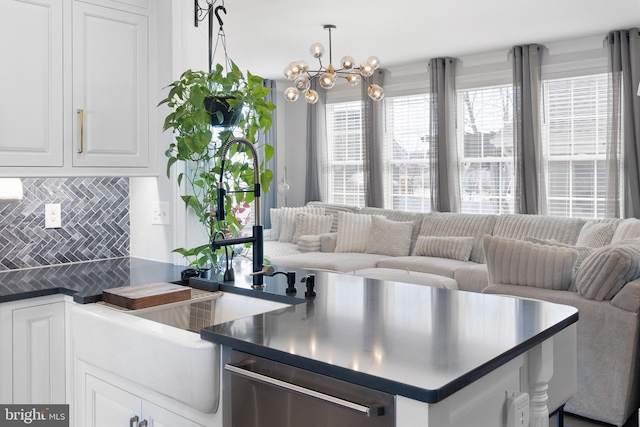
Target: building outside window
(486, 149)
(407, 153)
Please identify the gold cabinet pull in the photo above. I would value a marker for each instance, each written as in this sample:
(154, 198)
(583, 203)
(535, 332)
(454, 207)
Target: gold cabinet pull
(135, 418)
(81, 125)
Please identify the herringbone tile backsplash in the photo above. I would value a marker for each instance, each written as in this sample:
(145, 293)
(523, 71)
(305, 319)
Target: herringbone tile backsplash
(95, 222)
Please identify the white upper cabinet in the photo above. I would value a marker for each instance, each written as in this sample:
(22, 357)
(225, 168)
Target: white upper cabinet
(79, 95)
(110, 87)
(31, 105)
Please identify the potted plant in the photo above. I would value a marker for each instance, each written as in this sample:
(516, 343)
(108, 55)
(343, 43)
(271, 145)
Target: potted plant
(198, 144)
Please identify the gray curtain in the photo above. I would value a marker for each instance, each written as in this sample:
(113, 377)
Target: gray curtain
(373, 135)
(316, 141)
(443, 150)
(269, 200)
(624, 135)
(529, 160)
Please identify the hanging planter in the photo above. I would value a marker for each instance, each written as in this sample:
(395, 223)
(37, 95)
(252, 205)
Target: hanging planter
(222, 114)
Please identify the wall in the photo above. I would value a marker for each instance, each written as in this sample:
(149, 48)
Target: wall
(95, 222)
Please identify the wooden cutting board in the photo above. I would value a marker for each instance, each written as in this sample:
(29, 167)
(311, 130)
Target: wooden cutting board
(136, 297)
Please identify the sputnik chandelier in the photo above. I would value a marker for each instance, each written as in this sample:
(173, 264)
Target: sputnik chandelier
(301, 75)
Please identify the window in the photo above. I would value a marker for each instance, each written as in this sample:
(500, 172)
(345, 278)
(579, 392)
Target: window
(345, 153)
(574, 136)
(407, 153)
(486, 150)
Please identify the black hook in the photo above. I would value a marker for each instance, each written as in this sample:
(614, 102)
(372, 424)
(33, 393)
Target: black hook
(218, 16)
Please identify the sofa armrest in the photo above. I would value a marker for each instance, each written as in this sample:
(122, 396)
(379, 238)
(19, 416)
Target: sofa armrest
(629, 297)
(328, 242)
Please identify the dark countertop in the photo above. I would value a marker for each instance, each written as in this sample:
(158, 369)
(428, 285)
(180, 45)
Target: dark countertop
(416, 341)
(420, 342)
(85, 281)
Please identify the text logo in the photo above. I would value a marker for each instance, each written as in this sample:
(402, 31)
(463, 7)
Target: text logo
(34, 415)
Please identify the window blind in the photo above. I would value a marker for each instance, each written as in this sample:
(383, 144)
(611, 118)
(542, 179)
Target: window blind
(407, 153)
(345, 153)
(574, 136)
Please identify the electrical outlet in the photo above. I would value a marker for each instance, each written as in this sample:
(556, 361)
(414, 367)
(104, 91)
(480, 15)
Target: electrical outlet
(160, 213)
(52, 215)
(518, 410)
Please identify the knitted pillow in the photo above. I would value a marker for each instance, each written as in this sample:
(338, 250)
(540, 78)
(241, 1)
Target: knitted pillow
(516, 262)
(608, 269)
(388, 237)
(311, 224)
(595, 234)
(353, 232)
(444, 247)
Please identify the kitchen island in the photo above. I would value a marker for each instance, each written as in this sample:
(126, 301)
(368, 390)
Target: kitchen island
(448, 358)
(451, 358)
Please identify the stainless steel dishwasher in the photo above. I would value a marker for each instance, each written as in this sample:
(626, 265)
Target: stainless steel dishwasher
(263, 393)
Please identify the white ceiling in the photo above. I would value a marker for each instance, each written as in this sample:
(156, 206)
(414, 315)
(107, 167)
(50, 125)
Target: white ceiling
(265, 36)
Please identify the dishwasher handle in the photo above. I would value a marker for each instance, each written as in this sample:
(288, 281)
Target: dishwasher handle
(369, 411)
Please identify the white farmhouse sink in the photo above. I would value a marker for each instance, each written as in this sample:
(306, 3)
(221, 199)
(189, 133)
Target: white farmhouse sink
(154, 348)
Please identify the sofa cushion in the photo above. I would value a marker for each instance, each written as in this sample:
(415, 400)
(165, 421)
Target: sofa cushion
(330, 261)
(442, 224)
(608, 269)
(516, 262)
(441, 266)
(519, 226)
(472, 278)
(388, 237)
(353, 232)
(444, 247)
(274, 249)
(395, 275)
(311, 224)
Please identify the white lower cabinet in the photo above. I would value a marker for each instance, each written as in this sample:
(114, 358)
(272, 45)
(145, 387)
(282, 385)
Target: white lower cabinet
(111, 406)
(33, 367)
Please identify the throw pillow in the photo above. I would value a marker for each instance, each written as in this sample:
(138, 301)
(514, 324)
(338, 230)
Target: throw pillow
(516, 262)
(608, 269)
(288, 221)
(353, 232)
(444, 247)
(388, 237)
(595, 234)
(583, 251)
(311, 224)
(276, 222)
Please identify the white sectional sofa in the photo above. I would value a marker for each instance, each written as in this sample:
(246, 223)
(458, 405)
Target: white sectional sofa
(591, 265)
